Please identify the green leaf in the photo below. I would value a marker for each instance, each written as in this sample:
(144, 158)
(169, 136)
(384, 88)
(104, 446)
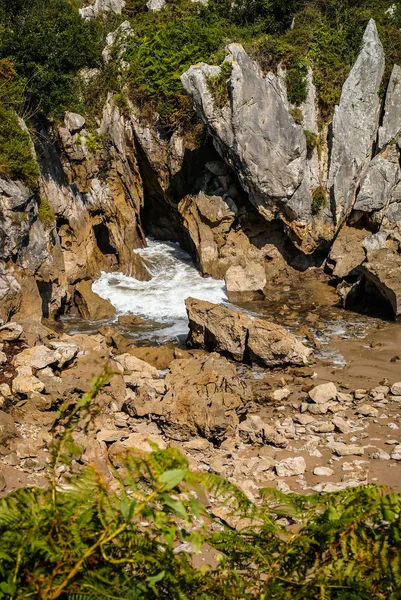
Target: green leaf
(172, 478)
(175, 506)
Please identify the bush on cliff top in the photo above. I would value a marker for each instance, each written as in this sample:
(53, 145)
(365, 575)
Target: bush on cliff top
(16, 157)
(326, 34)
(83, 538)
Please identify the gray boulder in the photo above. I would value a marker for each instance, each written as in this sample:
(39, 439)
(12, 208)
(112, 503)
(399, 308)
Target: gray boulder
(378, 183)
(355, 123)
(74, 122)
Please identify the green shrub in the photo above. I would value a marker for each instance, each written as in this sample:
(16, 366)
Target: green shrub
(297, 115)
(16, 158)
(49, 43)
(218, 87)
(92, 142)
(312, 140)
(81, 537)
(296, 80)
(45, 212)
(319, 200)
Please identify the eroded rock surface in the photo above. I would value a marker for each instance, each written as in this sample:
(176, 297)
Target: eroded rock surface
(355, 123)
(218, 328)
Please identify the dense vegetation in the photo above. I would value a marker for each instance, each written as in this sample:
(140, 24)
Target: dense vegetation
(84, 537)
(47, 44)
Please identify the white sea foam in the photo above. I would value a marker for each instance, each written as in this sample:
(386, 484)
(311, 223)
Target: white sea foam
(162, 299)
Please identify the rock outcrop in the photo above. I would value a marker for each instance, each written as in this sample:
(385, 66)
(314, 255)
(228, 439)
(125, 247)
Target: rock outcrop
(355, 124)
(99, 6)
(217, 328)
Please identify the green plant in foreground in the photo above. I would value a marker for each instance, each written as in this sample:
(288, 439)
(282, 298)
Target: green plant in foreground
(85, 537)
(45, 212)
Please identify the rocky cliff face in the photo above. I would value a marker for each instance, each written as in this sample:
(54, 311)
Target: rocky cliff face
(286, 179)
(247, 193)
(84, 218)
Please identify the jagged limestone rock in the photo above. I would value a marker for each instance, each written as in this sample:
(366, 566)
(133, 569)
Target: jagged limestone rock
(377, 184)
(355, 124)
(253, 132)
(155, 4)
(99, 6)
(391, 127)
(120, 37)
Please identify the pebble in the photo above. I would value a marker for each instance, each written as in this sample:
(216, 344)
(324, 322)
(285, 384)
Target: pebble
(281, 394)
(323, 471)
(392, 426)
(341, 425)
(367, 411)
(321, 394)
(396, 389)
(396, 453)
(359, 394)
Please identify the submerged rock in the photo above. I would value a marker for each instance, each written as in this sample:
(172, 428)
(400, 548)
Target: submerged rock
(221, 329)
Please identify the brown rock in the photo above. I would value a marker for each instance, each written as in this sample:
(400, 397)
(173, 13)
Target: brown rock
(245, 283)
(90, 305)
(204, 397)
(7, 427)
(218, 328)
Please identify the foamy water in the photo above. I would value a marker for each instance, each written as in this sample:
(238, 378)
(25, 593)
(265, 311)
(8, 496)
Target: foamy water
(162, 299)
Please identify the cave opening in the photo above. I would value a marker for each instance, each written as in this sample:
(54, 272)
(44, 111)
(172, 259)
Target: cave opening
(102, 236)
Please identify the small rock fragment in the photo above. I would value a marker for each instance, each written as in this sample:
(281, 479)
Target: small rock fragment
(321, 394)
(323, 471)
(291, 466)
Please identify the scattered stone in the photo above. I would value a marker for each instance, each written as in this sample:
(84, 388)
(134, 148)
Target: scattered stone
(281, 394)
(303, 419)
(254, 429)
(342, 449)
(7, 428)
(367, 411)
(379, 454)
(396, 389)
(324, 393)
(322, 427)
(291, 466)
(393, 426)
(341, 425)
(315, 409)
(10, 332)
(323, 471)
(27, 384)
(396, 453)
(360, 394)
(37, 357)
